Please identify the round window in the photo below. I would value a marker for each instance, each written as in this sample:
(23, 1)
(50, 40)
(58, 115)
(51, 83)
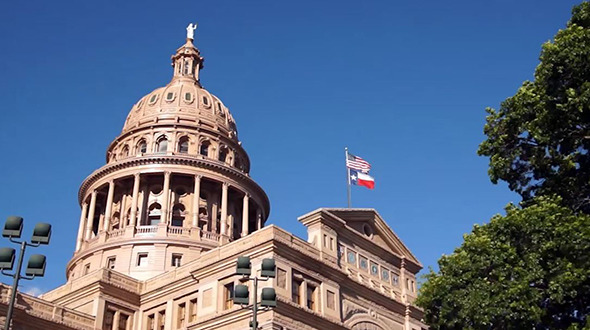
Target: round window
(156, 189)
(367, 230)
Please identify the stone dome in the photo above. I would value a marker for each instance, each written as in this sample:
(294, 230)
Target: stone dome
(183, 101)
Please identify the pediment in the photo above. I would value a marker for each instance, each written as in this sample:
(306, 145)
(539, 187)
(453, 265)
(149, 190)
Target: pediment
(368, 225)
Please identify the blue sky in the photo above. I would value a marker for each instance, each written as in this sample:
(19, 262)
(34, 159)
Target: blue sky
(403, 84)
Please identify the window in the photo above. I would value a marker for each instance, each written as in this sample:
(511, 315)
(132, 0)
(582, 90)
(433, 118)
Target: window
(374, 269)
(204, 149)
(178, 214)
(223, 153)
(162, 144)
(192, 310)
(183, 145)
(150, 322)
(296, 291)
(176, 260)
(155, 212)
(351, 257)
(228, 294)
(180, 318)
(385, 274)
(142, 259)
(86, 269)
(330, 297)
(169, 96)
(142, 147)
(205, 100)
(125, 151)
(123, 321)
(153, 99)
(161, 319)
(281, 278)
(311, 297)
(111, 262)
(395, 279)
(363, 263)
(109, 317)
(188, 97)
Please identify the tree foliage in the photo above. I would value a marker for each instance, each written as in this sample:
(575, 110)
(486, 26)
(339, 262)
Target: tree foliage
(529, 269)
(539, 139)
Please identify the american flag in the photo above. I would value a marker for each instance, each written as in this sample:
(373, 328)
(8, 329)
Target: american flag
(357, 163)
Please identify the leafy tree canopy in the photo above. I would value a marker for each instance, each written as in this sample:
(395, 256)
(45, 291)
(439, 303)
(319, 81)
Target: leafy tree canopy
(539, 139)
(529, 269)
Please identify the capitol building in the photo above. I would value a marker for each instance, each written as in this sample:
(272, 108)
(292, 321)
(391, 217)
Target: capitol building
(163, 222)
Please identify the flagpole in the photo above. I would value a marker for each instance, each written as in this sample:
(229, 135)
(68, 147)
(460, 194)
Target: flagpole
(347, 175)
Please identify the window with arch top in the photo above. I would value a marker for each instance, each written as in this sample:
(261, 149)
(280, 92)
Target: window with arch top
(204, 148)
(223, 153)
(183, 145)
(162, 144)
(178, 215)
(142, 146)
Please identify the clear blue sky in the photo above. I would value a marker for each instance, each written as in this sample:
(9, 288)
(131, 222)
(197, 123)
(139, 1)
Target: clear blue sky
(403, 84)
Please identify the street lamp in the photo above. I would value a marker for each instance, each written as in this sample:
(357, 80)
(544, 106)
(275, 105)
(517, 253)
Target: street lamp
(35, 267)
(268, 295)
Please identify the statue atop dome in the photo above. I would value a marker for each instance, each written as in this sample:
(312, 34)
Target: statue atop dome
(190, 31)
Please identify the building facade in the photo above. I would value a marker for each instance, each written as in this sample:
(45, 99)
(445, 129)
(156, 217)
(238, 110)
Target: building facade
(164, 220)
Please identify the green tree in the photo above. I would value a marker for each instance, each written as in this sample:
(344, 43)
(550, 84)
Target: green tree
(529, 269)
(539, 139)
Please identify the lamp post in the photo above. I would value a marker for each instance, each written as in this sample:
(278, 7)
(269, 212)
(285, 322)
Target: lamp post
(268, 295)
(35, 267)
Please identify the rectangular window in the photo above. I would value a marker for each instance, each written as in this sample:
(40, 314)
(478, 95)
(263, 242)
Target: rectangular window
(332, 243)
(142, 259)
(296, 291)
(111, 262)
(151, 322)
(109, 317)
(161, 319)
(281, 278)
(123, 321)
(192, 310)
(180, 316)
(385, 274)
(351, 257)
(311, 297)
(413, 286)
(330, 298)
(86, 269)
(176, 260)
(363, 263)
(374, 269)
(228, 294)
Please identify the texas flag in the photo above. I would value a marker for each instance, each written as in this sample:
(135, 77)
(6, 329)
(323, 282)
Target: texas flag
(362, 179)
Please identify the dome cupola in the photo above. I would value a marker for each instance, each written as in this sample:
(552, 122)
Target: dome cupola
(176, 182)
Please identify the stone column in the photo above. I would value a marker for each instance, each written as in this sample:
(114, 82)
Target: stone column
(196, 196)
(81, 228)
(90, 215)
(165, 198)
(136, 181)
(223, 220)
(245, 212)
(258, 219)
(109, 207)
(122, 209)
(402, 278)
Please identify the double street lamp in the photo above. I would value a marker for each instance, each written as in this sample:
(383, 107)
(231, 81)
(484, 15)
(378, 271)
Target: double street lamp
(35, 267)
(268, 295)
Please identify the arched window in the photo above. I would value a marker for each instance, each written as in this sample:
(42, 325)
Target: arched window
(223, 153)
(155, 214)
(142, 147)
(178, 215)
(204, 148)
(162, 144)
(183, 145)
(125, 151)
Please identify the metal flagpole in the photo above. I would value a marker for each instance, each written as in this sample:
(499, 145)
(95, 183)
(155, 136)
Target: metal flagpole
(347, 175)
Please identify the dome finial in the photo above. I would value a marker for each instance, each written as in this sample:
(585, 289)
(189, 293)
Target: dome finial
(190, 31)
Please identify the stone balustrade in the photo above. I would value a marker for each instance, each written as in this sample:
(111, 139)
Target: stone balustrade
(43, 309)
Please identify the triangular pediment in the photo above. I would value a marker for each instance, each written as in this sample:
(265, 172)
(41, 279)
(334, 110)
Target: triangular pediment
(368, 225)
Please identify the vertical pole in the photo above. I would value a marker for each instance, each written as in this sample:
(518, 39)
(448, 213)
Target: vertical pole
(19, 265)
(347, 175)
(255, 306)
(133, 218)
